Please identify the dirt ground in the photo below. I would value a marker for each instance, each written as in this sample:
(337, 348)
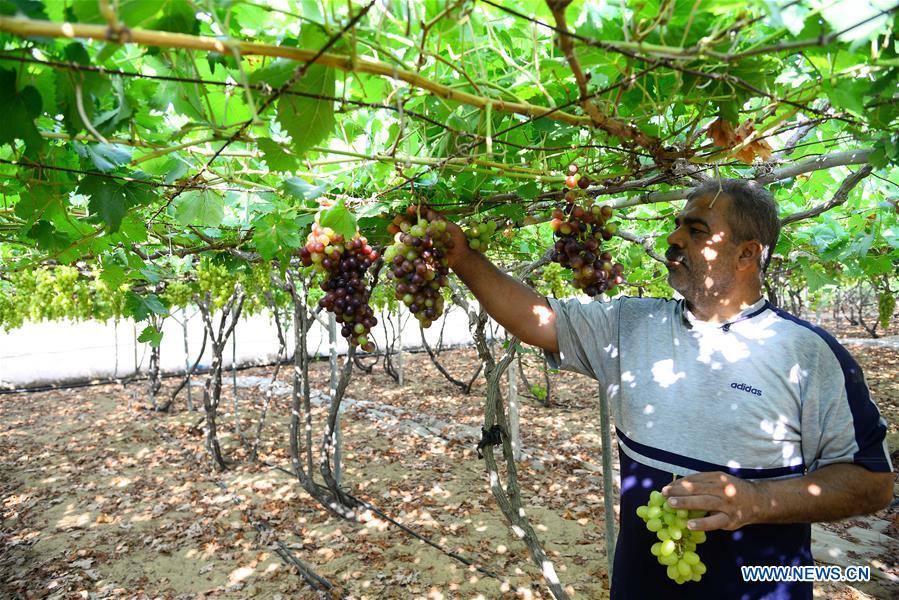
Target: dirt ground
(100, 498)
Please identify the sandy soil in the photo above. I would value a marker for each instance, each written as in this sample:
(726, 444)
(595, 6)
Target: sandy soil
(100, 498)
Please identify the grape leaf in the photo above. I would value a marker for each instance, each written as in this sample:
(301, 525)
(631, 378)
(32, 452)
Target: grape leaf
(373, 209)
(112, 272)
(529, 190)
(226, 60)
(275, 74)
(302, 189)
(175, 169)
(133, 13)
(30, 8)
(814, 278)
(275, 156)
(112, 198)
(148, 273)
(277, 233)
(19, 109)
(133, 229)
(849, 95)
(106, 157)
(178, 16)
(309, 120)
(340, 220)
(47, 237)
(513, 211)
(150, 335)
(108, 121)
(141, 307)
(199, 207)
(93, 85)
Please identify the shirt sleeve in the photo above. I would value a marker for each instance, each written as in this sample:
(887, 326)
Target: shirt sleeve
(840, 422)
(587, 336)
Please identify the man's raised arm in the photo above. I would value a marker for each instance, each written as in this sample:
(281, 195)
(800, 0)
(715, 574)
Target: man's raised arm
(522, 311)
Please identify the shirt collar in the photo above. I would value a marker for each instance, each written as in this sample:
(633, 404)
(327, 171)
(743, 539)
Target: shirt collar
(691, 321)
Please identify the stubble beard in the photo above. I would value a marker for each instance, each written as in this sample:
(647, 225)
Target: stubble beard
(692, 285)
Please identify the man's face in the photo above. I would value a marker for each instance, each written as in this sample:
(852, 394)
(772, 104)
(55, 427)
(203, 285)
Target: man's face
(702, 254)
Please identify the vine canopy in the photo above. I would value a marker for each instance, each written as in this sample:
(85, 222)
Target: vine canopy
(142, 139)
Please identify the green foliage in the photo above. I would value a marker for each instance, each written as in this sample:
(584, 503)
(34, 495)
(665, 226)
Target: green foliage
(142, 306)
(278, 233)
(29, 8)
(199, 207)
(340, 220)
(150, 335)
(19, 108)
(112, 198)
(298, 188)
(73, 87)
(308, 120)
(104, 157)
(357, 141)
(276, 157)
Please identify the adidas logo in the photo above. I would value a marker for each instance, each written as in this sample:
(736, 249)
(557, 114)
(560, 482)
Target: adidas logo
(746, 388)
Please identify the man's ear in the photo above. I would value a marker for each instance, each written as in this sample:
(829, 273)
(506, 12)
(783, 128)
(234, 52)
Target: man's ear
(749, 255)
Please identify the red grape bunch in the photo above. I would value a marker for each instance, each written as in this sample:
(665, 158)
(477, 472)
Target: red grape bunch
(418, 264)
(579, 229)
(344, 264)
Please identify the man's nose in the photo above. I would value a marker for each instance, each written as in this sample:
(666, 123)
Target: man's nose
(673, 238)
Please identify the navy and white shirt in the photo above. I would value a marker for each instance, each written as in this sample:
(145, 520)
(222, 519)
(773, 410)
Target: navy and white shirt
(763, 396)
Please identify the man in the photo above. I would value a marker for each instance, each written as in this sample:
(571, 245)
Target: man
(765, 419)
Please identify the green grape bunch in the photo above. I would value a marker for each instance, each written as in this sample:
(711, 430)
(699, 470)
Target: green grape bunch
(178, 293)
(479, 234)
(886, 305)
(218, 281)
(676, 548)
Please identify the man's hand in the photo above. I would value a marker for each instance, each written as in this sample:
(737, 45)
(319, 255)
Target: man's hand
(522, 311)
(457, 251)
(830, 493)
(730, 501)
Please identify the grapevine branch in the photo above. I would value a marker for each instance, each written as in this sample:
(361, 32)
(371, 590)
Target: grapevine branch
(506, 169)
(608, 124)
(816, 163)
(79, 104)
(647, 241)
(827, 161)
(264, 88)
(390, 107)
(465, 387)
(630, 49)
(840, 197)
(509, 497)
(819, 163)
(25, 27)
(298, 74)
(149, 182)
(820, 41)
(469, 147)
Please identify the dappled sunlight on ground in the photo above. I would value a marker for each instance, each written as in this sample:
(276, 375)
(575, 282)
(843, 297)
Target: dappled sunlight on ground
(92, 499)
